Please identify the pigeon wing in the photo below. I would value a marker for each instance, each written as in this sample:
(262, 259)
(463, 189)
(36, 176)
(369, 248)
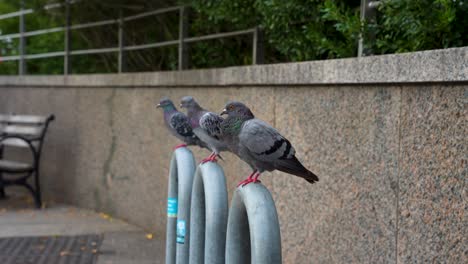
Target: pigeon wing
(180, 123)
(264, 142)
(211, 123)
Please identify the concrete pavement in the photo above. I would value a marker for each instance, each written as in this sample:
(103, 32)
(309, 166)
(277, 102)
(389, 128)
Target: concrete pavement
(122, 243)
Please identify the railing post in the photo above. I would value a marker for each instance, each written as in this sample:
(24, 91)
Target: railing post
(368, 13)
(67, 48)
(121, 62)
(257, 50)
(208, 216)
(178, 206)
(22, 42)
(183, 33)
(253, 234)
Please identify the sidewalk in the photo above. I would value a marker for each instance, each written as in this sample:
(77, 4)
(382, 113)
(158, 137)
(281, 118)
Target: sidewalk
(119, 242)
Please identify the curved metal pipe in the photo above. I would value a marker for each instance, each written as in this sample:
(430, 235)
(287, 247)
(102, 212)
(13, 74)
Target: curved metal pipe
(253, 234)
(178, 206)
(209, 214)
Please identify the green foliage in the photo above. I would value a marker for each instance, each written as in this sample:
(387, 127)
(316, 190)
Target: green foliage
(411, 25)
(294, 30)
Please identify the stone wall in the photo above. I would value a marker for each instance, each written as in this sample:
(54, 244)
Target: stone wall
(385, 134)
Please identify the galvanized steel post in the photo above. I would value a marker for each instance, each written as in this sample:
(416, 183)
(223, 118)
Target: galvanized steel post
(253, 234)
(257, 47)
(121, 56)
(183, 33)
(178, 206)
(209, 214)
(22, 42)
(368, 12)
(67, 44)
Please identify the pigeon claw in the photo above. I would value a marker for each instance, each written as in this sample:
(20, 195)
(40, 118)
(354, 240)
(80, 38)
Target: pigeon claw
(247, 181)
(211, 157)
(180, 146)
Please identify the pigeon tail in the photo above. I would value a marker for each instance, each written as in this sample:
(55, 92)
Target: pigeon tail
(293, 166)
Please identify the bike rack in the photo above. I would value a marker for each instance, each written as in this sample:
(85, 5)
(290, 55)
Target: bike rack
(209, 214)
(253, 234)
(198, 227)
(181, 173)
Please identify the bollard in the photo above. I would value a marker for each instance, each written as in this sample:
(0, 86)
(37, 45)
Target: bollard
(208, 217)
(253, 234)
(178, 206)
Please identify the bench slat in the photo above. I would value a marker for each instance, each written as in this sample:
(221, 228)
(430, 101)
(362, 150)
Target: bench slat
(23, 119)
(15, 142)
(22, 130)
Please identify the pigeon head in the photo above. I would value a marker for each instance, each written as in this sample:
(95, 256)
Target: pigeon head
(237, 109)
(166, 104)
(188, 102)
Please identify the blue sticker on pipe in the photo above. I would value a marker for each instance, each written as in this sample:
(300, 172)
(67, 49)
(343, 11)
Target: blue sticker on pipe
(171, 207)
(180, 231)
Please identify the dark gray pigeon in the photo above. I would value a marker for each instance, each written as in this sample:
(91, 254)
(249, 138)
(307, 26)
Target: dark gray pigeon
(206, 126)
(259, 145)
(178, 124)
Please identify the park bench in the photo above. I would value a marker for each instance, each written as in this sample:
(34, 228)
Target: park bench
(22, 132)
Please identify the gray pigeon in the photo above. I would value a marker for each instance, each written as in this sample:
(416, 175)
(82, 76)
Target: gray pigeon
(259, 145)
(206, 126)
(178, 124)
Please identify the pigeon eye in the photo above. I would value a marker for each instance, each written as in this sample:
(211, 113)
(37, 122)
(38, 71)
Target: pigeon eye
(231, 107)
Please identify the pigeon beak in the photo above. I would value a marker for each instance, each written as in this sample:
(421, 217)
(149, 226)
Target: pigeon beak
(224, 112)
(158, 105)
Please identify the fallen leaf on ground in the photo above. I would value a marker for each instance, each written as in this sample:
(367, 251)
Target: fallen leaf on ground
(105, 216)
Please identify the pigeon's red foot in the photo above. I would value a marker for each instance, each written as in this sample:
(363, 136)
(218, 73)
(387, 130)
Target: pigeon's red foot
(247, 181)
(180, 146)
(211, 157)
(252, 178)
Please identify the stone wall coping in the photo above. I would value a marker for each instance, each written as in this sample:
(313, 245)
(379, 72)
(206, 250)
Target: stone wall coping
(447, 65)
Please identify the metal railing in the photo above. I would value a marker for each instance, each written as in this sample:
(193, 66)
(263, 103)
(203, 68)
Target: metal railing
(367, 13)
(182, 42)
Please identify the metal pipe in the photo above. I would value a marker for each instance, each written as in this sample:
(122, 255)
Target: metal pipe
(253, 234)
(208, 216)
(22, 43)
(152, 45)
(121, 57)
(95, 24)
(221, 35)
(94, 51)
(67, 44)
(257, 47)
(183, 33)
(151, 13)
(178, 206)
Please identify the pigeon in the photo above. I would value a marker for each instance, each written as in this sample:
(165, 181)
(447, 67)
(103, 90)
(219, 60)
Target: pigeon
(259, 145)
(202, 123)
(178, 124)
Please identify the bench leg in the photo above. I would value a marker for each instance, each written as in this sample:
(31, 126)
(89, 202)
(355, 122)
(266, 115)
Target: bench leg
(37, 194)
(2, 186)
